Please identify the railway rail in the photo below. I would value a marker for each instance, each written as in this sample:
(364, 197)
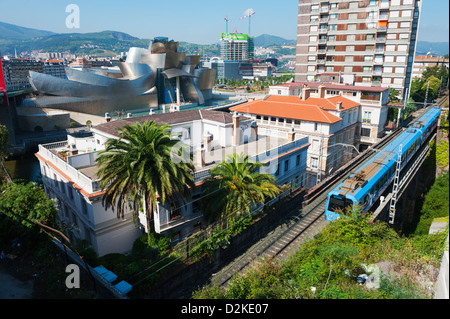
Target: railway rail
(305, 222)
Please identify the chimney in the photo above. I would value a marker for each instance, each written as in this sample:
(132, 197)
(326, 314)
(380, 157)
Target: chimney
(200, 156)
(338, 106)
(254, 131)
(321, 91)
(236, 135)
(291, 135)
(207, 138)
(73, 149)
(306, 92)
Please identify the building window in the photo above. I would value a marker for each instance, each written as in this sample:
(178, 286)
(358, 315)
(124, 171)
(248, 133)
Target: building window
(286, 165)
(277, 172)
(365, 132)
(314, 162)
(297, 161)
(367, 117)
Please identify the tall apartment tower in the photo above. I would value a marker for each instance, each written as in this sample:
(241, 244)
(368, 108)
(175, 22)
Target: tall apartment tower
(365, 42)
(236, 47)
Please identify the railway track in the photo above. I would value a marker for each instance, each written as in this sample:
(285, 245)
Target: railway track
(302, 224)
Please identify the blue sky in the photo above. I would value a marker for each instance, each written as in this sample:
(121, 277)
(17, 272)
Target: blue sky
(196, 21)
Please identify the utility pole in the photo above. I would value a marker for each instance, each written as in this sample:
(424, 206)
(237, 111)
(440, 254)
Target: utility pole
(402, 110)
(319, 164)
(426, 95)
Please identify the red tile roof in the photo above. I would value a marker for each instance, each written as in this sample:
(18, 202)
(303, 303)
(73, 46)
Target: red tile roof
(293, 107)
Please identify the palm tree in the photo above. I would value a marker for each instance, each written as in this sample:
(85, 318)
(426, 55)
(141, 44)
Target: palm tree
(141, 169)
(235, 185)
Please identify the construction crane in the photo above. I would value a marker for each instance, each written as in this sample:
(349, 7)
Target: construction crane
(248, 14)
(227, 20)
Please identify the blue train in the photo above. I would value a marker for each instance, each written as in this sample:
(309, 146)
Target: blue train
(365, 185)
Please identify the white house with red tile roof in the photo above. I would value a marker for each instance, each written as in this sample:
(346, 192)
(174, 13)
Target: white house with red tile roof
(329, 123)
(373, 100)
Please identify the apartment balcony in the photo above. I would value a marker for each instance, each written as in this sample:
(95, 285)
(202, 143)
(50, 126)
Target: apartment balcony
(324, 9)
(322, 41)
(381, 29)
(321, 61)
(379, 51)
(322, 51)
(380, 40)
(383, 6)
(323, 31)
(378, 62)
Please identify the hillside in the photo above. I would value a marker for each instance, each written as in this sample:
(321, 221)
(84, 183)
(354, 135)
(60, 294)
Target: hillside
(437, 48)
(267, 40)
(14, 32)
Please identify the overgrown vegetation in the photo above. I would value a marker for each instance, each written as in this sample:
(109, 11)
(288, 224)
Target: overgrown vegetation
(436, 204)
(326, 267)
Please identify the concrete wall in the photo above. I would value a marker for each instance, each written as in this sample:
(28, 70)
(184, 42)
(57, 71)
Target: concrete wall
(92, 106)
(46, 119)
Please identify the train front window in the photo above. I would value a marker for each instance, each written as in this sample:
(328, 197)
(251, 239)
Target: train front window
(339, 204)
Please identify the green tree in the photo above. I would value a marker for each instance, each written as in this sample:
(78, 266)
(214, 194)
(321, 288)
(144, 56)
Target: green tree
(433, 87)
(21, 205)
(394, 95)
(4, 136)
(142, 169)
(416, 93)
(437, 71)
(235, 185)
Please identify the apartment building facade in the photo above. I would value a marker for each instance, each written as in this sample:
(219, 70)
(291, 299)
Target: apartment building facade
(421, 63)
(373, 40)
(16, 73)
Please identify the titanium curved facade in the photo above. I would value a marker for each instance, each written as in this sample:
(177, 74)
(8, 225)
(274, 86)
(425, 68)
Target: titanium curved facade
(160, 70)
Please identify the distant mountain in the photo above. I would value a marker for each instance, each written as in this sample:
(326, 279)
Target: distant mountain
(437, 48)
(14, 32)
(267, 40)
(14, 38)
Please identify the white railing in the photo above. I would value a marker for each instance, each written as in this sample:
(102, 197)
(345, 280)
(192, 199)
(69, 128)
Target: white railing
(75, 175)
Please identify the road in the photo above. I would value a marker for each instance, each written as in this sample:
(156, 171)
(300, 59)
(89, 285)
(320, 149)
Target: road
(13, 288)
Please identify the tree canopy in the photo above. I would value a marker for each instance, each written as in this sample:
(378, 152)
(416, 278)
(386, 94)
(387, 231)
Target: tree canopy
(235, 185)
(141, 169)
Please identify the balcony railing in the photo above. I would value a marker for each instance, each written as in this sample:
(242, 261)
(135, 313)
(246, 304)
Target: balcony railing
(75, 175)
